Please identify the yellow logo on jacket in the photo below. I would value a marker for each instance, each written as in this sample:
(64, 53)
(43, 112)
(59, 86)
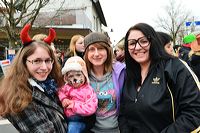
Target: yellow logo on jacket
(156, 80)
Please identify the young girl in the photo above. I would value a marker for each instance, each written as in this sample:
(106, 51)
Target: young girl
(77, 96)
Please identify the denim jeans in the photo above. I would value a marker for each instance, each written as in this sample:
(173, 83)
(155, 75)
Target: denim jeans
(75, 124)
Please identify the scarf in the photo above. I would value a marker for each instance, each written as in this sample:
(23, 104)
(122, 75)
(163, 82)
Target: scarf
(49, 86)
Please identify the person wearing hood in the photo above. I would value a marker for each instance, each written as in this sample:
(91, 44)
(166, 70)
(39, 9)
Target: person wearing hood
(77, 96)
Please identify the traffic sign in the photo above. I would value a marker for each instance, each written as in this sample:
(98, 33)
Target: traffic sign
(197, 22)
(4, 65)
(189, 23)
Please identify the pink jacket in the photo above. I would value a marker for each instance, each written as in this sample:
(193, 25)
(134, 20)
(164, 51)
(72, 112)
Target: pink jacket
(85, 100)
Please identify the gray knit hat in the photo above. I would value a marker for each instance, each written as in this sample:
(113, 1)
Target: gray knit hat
(94, 37)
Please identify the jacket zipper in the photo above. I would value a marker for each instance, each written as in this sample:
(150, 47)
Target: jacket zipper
(136, 97)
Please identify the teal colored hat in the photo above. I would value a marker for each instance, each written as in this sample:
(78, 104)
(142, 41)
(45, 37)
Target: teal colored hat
(189, 38)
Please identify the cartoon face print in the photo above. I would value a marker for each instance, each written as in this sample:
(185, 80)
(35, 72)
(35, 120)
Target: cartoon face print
(75, 78)
(106, 99)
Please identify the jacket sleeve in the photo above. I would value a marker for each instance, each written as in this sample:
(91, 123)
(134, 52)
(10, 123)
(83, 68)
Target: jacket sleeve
(185, 89)
(31, 120)
(63, 93)
(89, 106)
(123, 126)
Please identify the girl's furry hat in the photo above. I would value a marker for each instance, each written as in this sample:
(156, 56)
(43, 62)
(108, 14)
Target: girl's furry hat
(75, 63)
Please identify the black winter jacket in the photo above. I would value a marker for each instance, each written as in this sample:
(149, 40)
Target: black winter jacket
(150, 109)
(195, 64)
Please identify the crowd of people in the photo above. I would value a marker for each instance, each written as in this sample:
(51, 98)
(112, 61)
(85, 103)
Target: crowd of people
(140, 86)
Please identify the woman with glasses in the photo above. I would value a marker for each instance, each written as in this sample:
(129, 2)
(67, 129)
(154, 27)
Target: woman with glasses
(28, 89)
(161, 94)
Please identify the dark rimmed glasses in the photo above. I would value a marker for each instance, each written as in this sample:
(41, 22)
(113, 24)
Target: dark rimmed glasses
(40, 61)
(142, 41)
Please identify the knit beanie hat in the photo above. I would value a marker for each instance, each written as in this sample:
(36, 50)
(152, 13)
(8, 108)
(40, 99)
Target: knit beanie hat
(75, 63)
(189, 38)
(94, 37)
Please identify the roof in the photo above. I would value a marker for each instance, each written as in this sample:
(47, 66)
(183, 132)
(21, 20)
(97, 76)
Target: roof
(99, 11)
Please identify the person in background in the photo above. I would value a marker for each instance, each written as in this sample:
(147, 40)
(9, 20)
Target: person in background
(28, 90)
(76, 47)
(186, 47)
(106, 79)
(59, 56)
(194, 56)
(119, 51)
(161, 93)
(166, 42)
(77, 96)
(41, 37)
(176, 50)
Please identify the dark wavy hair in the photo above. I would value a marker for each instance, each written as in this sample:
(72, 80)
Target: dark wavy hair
(157, 53)
(165, 38)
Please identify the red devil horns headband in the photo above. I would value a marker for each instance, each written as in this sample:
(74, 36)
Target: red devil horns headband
(24, 34)
(26, 39)
(51, 36)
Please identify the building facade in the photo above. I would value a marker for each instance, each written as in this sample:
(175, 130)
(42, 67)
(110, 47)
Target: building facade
(67, 17)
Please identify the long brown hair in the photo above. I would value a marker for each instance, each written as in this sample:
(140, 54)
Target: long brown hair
(15, 92)
(108, 62)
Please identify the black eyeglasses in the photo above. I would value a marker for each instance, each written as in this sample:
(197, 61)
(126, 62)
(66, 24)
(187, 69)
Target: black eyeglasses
(40, 61)
(142, 41)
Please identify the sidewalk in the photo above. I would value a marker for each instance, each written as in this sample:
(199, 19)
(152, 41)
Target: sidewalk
(6, 126)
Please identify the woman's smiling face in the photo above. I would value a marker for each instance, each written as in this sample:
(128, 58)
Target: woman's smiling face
(139, 54)
(39, 64)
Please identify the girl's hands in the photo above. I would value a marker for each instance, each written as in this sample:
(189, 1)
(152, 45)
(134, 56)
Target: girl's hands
(66, 103)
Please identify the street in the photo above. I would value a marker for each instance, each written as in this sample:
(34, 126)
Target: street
(6, 127)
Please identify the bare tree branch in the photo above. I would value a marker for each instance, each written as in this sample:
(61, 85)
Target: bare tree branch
(20, 12)
(174, 20)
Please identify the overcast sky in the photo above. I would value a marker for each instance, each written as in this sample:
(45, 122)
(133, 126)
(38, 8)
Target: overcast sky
(120, 15)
